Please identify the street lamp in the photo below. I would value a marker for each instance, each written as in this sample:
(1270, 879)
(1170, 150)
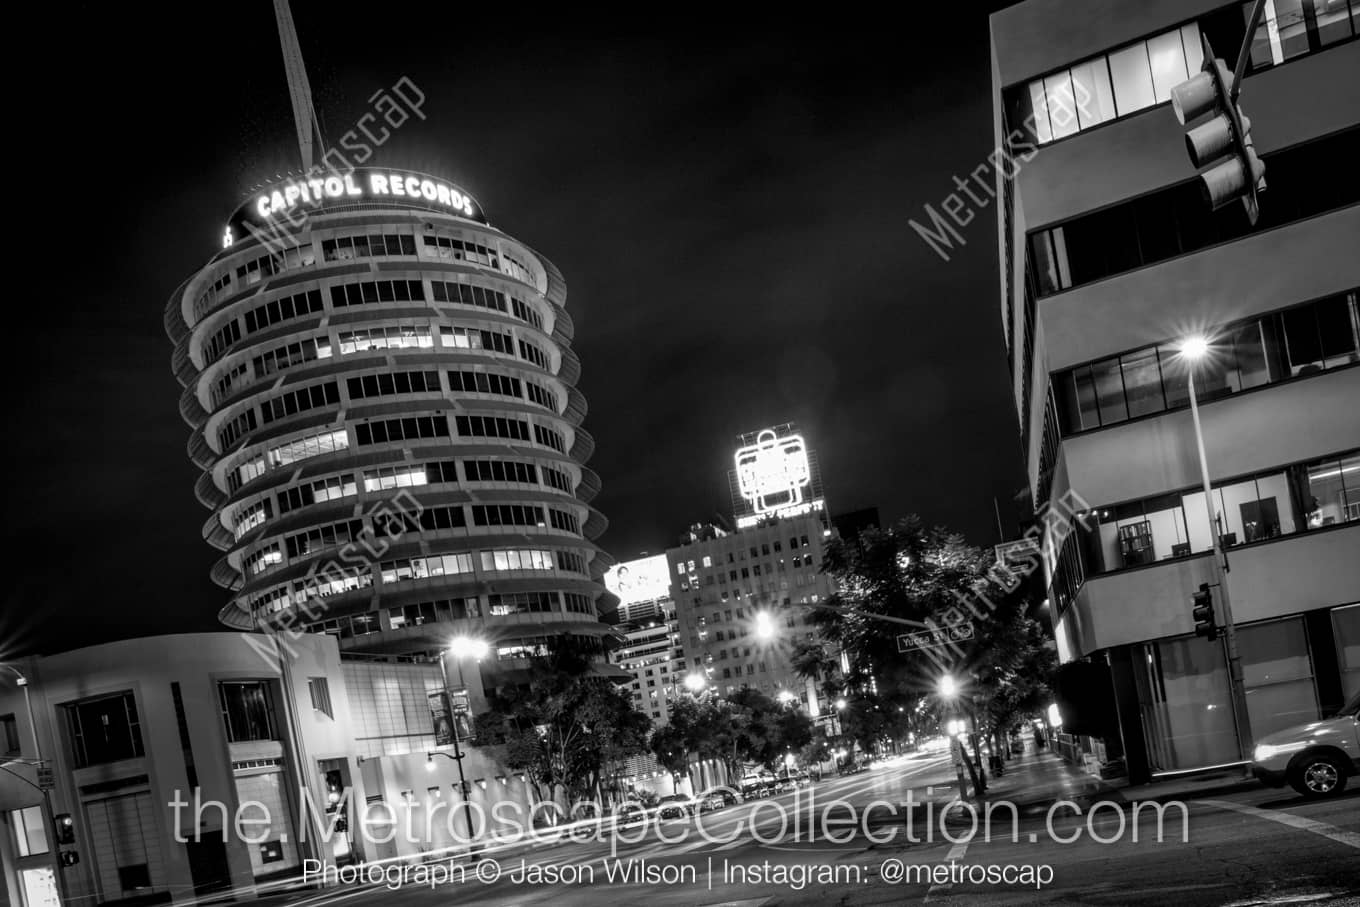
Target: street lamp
(460, 647)
(1194, 349)
(785, 697)
(949, 687)
(764, 626)
(840, 705)
(695, 682)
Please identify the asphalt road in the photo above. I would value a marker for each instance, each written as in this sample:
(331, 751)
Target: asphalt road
(1256, 847)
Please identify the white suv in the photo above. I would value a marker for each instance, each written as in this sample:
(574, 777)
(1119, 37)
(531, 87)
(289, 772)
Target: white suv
(1314, 758)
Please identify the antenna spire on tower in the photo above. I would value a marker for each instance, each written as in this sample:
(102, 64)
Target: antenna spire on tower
(299, 90)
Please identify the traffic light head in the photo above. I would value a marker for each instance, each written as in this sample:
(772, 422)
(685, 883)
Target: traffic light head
(1222, 144)
(69, 858)
(66, 828)
(1202, 610)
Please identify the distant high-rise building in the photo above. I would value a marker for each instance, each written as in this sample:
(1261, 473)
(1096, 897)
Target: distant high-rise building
(1111, 259)
(744, 599)
(651, 650)
(382, 393)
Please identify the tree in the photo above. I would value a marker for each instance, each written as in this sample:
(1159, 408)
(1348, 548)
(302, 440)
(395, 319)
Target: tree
(566, 728)
(767, 729)
(928, 575)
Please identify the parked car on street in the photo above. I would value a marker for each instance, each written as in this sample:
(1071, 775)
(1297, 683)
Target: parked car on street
(1314, 758)
(677, 806)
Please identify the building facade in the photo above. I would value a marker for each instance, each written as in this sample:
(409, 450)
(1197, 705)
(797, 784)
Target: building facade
(382, 395)
(1110, 258)
(651, 651)
(129, 729)
(744, 601)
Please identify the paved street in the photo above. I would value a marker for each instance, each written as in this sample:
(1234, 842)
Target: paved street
(1252, 847)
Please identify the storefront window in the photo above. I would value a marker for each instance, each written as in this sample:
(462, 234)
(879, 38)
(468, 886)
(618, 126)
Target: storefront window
(1278, 675)
(1185, 703)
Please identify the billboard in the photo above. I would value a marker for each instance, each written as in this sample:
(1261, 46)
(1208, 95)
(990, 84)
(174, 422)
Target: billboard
(641, 580)
(775, 475)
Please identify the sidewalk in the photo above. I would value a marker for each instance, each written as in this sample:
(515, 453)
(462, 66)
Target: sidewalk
(1035, 781)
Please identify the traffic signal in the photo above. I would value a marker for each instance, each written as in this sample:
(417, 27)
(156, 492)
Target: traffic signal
(1220, 147)
(69, 858)
(66, 829)
(1202, 609)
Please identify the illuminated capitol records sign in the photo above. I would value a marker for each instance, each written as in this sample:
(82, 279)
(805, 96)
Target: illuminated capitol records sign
(289, 202)
(774, 477)
(643, 580)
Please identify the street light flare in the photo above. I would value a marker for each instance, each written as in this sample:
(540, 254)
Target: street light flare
(1195, 347)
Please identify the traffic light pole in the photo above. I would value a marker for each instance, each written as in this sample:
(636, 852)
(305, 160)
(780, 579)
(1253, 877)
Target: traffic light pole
(1235, 682)
(1244, 54)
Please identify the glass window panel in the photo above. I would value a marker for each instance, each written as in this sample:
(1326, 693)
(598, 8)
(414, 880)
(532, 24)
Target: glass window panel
(1290, 27)
(1143, 383)
(1197, 520)
(1092, 95)
(1264, 44)
(1329, 501)
(1061, 102)
(1109, 391)
(1333, 21)
(1045, 269)
(1175, 377)
(1039, 111)
(1248, 349)
(1086, 397)
(1131, 75)
(1060, 257)
(1337, 330)
(1168, 63)
(1303, 345)
(1193, 48)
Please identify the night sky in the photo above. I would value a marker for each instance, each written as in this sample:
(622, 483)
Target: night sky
(728, 201)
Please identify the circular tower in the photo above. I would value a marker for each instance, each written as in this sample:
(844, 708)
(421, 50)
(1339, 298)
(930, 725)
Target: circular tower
(382, 396)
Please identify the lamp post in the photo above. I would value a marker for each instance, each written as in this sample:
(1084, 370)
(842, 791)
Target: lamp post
(1193, 350)
(949, 692)
(53, 848)
(459, 648)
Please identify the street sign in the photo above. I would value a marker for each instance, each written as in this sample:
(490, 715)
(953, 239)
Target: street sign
(934, 638)
(45, 777)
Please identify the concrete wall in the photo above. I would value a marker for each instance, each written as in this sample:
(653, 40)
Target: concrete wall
(1274, 579)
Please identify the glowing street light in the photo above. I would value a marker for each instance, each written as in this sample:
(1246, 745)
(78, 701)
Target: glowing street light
(468, 647)
(695, 682)
(840, 705)
(949, 687)
(786, 697)
(1195, 347)
(764, 626)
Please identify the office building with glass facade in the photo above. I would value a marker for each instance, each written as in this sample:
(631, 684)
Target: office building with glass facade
(1109, 259)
